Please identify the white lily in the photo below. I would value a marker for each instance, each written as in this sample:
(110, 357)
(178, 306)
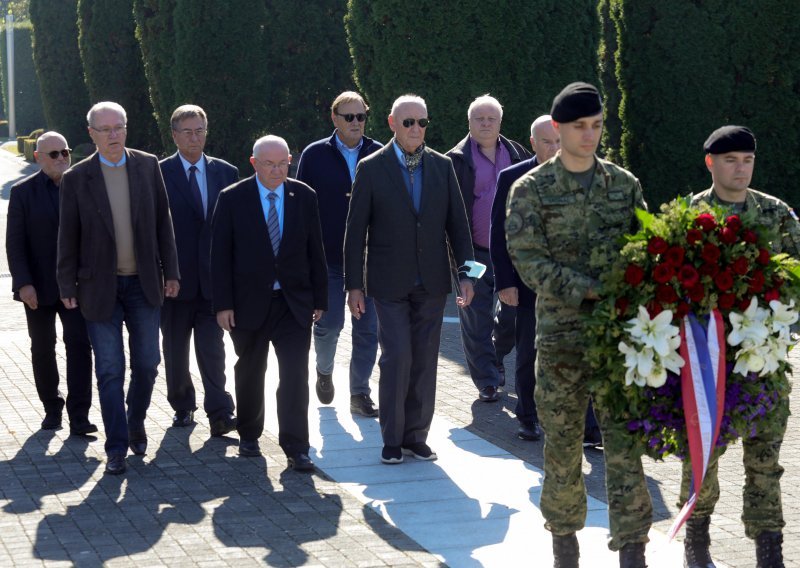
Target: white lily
(657, 377)
(634, 378)
(783, 316)
(643, 361)
(749, 360)
(655, 332)
(748, 325)
(673, 362)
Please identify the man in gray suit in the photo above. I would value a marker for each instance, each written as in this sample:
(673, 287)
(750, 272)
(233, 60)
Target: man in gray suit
(406, 200)
(116, 248)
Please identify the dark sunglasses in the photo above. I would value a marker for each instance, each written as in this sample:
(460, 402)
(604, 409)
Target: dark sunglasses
(423, 122)
(360, 117)
(55, 153)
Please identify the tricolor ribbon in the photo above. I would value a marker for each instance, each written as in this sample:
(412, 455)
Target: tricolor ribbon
(703, 387)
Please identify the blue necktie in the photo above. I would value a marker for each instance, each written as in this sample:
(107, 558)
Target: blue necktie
(194, 187)
(272, 223)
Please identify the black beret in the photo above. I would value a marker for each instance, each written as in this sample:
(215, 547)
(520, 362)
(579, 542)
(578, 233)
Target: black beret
(575, 101)
(730, 138)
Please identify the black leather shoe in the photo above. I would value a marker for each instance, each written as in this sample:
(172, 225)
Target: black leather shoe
(137, 441)
(362, 404)
(529, 431)
(82, 427)
(183, 418)
(224, 425)
(52, 421)
(593, 439)
(325, 390)
(115, 465)
(301, 462)
(488, 394)
(249, 448)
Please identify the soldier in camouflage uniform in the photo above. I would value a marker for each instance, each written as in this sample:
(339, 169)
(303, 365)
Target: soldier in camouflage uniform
(730, 157)
(557, 214)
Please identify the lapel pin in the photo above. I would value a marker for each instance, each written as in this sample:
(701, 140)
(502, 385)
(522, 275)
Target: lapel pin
(291, 194)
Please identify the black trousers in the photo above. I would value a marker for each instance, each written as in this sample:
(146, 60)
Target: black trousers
(42, 331)
(292, 342)
(179, 319)
(409, 332)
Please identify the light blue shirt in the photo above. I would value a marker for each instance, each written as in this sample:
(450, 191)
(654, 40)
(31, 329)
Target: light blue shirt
(400, 156)
(111, 164)
(265, 205)
(200, 174)
(350, 155)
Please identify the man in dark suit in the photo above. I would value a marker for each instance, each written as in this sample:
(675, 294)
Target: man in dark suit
(405, 209)
(270, 284)
(31, 236)
(193, 182)
(116, 248)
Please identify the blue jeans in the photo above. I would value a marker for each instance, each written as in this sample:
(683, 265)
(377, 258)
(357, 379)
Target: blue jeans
(365, 335)
(142, 321)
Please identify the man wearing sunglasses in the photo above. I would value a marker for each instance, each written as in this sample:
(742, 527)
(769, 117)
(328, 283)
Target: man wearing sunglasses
(405, 210)
(31, 237)
(329, 167)
(477, 160)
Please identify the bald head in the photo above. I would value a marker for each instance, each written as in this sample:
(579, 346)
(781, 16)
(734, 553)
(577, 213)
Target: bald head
(545, 141)
(271, 160)
(48, 145)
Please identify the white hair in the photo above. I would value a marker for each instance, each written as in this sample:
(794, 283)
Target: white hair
(403, 99)
(267, 140)
(106, 105)
(538, 121)
(47, 136)
(485, 100)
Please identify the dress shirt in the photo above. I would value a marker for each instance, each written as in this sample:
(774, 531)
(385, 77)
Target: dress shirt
(350, 155)
(485, 187)
(111, 164)
(265, 205)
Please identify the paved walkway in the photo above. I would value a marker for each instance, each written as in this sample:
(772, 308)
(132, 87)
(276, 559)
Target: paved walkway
(192, 501)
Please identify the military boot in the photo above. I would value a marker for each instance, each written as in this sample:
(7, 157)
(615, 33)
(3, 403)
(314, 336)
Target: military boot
(695, 547)
(632, 556)
(565, 551)
(769, 550)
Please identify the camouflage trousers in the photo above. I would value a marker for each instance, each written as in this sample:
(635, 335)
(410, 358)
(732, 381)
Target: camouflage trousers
(761, 495)
(561, 398)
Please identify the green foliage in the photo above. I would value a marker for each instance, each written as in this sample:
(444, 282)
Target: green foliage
(522, 51)
(220, 64)
(309, 65)
(27, 97)
(19, 8)
(113, 65)
(686, 68)
(156, 35)
(607, 60)
(59, 67)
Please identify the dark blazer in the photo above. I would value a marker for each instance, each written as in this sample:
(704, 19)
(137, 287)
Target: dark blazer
(505, 275)
(464, 166)
(323, 167)
(192, 227)
(397, 242)
(87, 253)
(243, 267)
(31, 237)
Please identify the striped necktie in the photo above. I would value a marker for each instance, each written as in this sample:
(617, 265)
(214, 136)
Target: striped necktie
(272, 223)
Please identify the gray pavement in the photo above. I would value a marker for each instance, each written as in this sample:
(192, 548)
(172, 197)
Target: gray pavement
(191, 501)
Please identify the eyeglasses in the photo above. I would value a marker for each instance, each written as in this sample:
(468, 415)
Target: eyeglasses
(423, 122)
(360, 117)
(56, 153)
(108, 130)
(199, 132)
(272, 165)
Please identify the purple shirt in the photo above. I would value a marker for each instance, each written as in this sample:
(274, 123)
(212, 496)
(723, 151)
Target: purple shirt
(485, 187)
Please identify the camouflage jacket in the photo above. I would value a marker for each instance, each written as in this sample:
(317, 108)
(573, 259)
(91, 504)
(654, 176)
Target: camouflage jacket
(551, 228)
(772, 212)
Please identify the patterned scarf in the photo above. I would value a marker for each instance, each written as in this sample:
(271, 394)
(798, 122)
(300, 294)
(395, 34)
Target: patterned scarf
(413, 160)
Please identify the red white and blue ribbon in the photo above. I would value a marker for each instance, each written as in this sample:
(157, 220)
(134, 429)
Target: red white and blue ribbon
(703, 387)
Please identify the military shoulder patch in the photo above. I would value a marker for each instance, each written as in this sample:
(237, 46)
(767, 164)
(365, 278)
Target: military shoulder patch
(514, 223)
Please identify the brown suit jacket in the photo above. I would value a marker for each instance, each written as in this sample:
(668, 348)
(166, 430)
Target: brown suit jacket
(87, 253)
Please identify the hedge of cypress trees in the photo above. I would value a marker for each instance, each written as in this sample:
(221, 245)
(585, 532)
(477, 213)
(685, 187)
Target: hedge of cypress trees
(112, 62)
(27, 97)
(686, 68)
(607, 60)
(156, 35)
(59, 68)
(522, 52)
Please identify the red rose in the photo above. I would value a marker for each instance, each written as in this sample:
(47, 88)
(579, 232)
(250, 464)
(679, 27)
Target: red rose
(634, 274)
(666, 294)
(772, 294)
(683, 309)
(749, 236)
(744, 303)
(621, 305)
(734, 223)
(709, 270)
(654, 308)
(706, 222)
(657, 245)
(710, 253)
(727, 236)
(756, 282)
(688, 276)
(674, 256)
(694, 236)
(663, 273)
(763, 257)
(697, 293)
(741, 265)
(724, 280)
(726, 301)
